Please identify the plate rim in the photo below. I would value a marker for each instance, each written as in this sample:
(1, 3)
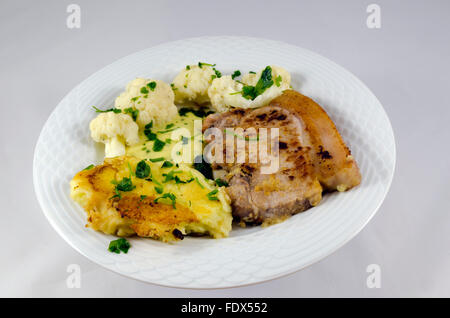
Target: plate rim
(285, 273)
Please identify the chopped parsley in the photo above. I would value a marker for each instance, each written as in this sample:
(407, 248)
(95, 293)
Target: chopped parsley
(158, 145)
(119, 245)
(173, 87)
(199, 183)
(218, 74)
(170, 176)
(144, 90)
(114, 110)
(203, 167)
(125, 185)
(133, 112)
(178, 180)
(278, 80)
(157, 159)
(89, 167)
(264, 82)
(251, 72)
(170, 196)
(188, 67)
(200, 64)
(167, 164)
(159, 189)
(212, 195)
(152, 86)
(221, 183)
(143, 197)
(169, 126)
(236, 74)
(142, 170)
(148, 131)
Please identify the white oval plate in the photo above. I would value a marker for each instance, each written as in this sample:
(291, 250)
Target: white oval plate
(249, 255)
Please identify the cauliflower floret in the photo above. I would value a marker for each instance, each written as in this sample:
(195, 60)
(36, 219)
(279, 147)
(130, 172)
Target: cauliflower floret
(114, 130)
(225, 92)
(192, 83)
(153, 99)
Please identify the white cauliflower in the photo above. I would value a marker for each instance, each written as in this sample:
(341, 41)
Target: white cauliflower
(225, 92)
(114, 130)
(150, 100)
(192, 83)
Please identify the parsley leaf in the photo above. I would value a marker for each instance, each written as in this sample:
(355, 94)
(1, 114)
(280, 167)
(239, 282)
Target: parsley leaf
(203, 167)
(114, 110)
(167, 164)
(142, 170)
(152, 86)
(236, 74)
(158, 145)
(133, 112)
(264, 82)
(200, 64)
(212, 195)
(278, 80)
(125, 185)
(119, 245)
(221, 183)
(144, 90)
(156, 159)
(89, 167)
(170, 196)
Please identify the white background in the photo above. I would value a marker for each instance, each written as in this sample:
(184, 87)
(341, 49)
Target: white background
(405, 63)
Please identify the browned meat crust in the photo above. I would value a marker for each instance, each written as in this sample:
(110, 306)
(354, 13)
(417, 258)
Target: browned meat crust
(312, 154)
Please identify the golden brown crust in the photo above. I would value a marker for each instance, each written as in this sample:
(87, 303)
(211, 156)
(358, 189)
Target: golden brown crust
(332, 159)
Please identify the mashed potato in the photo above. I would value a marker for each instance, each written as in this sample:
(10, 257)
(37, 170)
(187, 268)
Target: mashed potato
(153, 99)
(192, 83)
(165, 203)
(224, 92)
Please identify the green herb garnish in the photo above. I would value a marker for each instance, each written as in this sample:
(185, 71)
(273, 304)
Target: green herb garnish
(278, 80)
(170, 196)
(148, 131)
(221, 183)
(159, 190)
(125, 185)
(158, 145)
(89, 167)
(119, 245)
(170, 176)
(236, 74)
(152, 86)
(114, 110)
(188, 67)
(144, 90)
(133, 112)
(143, 197)
(167, 164)
(200, 64)
(142, 170)
(157, 159)
(212, 195)
(205, 168)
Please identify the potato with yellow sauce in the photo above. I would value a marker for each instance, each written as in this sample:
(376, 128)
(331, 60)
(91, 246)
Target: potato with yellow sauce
(126, 196)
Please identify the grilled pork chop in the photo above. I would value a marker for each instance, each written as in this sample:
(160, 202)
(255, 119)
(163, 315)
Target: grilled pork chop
(311, 155)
